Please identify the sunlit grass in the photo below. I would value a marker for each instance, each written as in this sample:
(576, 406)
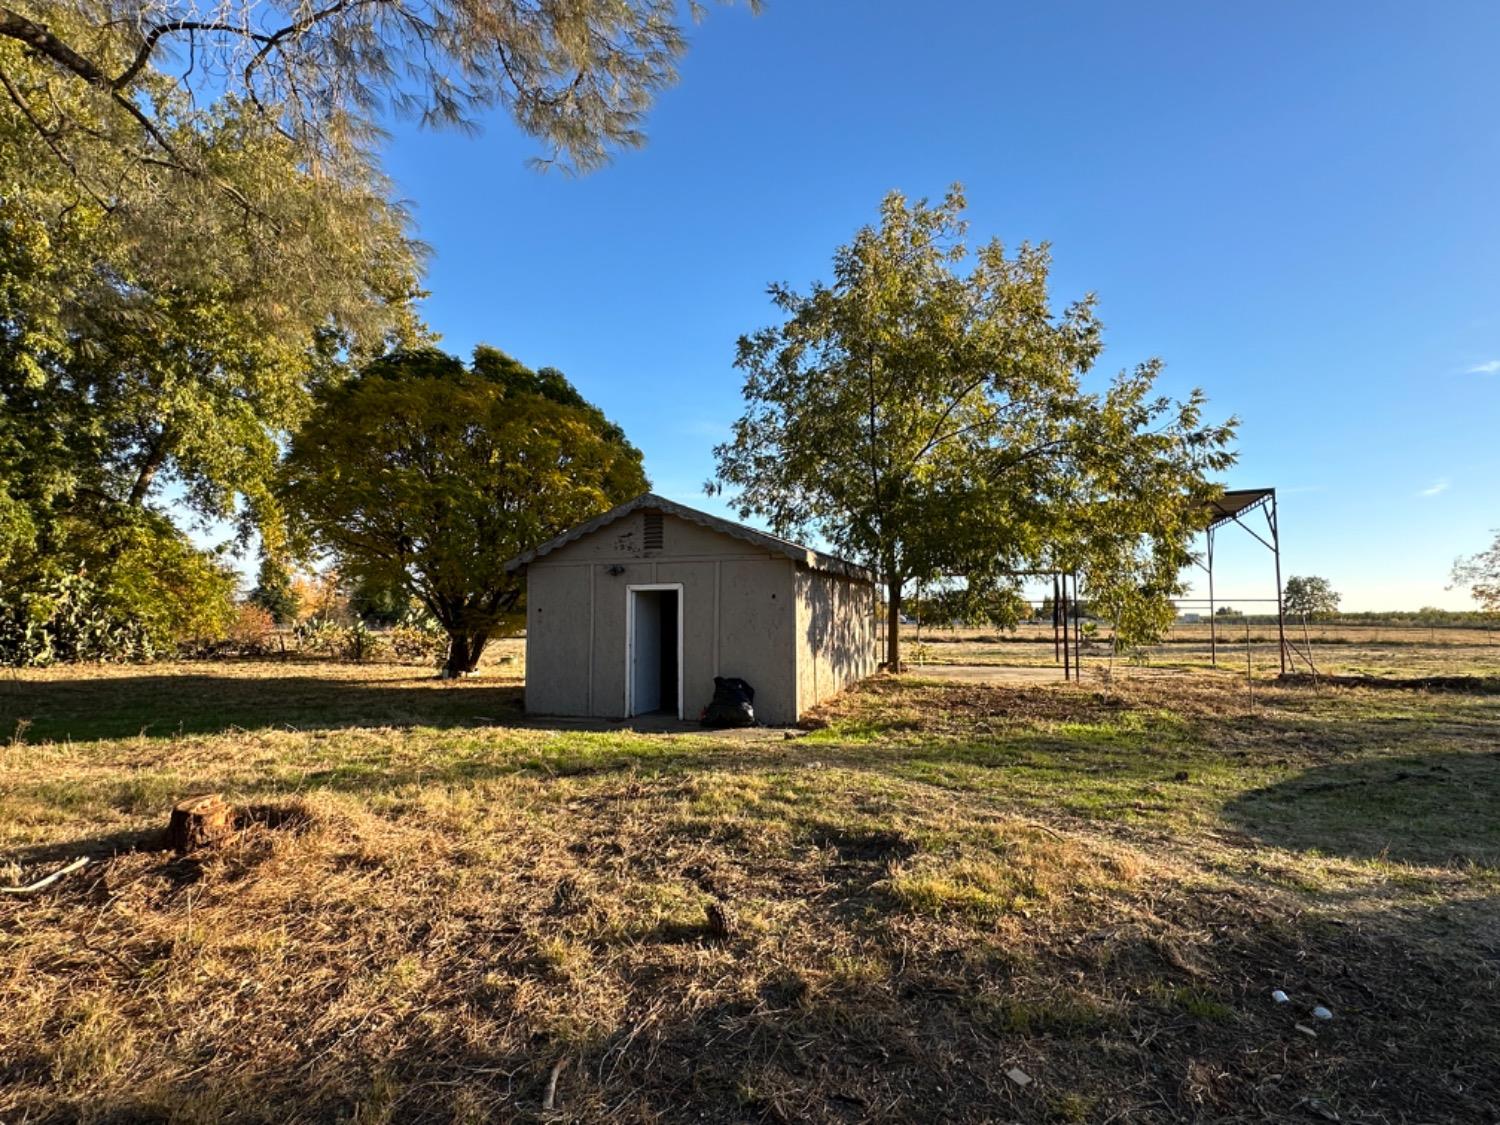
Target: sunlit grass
(430, 908)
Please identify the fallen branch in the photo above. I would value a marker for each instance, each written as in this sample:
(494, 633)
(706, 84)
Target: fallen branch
(551, 1096)
(1040, 827)
(48, 880)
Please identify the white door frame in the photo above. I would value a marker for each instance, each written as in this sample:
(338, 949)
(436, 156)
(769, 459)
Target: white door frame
(630, 592)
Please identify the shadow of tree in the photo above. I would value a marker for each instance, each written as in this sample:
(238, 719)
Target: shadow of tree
(1436, 809)
(206, 703)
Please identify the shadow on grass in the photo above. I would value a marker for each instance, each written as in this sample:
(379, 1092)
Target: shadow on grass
(204, 703)
(1433, 809)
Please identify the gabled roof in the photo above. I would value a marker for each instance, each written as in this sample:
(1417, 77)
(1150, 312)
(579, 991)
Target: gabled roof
(649, 501)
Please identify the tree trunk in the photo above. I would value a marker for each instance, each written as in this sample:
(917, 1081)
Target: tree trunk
(464, 651)
(893, 625)
(156, 456)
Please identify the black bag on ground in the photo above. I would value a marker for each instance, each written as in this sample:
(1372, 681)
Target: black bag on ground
(733, 704)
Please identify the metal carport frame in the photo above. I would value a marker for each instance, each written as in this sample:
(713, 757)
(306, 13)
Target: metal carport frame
(1228, 509)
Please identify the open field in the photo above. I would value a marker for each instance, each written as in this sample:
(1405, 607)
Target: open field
(433, 911)
(1385, 651)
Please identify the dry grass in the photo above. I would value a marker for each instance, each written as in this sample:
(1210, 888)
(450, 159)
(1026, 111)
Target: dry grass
(1386, 651)
(428, 906)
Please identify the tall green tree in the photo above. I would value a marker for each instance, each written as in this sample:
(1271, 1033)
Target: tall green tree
(427, 475)
(152, 336)
(1309, 596)
(161, 330)
(931, 419)
(274, 591)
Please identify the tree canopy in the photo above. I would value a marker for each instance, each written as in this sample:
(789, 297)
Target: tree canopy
(161, 328)
(193, 223)
(1480, 575)
(427, 475)
(150, 331)
(931, 421)
(196, 235)
(578, 75)
(1309, 596)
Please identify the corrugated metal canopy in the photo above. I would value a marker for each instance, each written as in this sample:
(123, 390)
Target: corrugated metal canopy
(1233, 503)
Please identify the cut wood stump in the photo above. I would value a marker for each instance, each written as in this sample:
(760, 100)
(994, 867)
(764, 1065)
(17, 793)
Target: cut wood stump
(722, 922)
(199, 822)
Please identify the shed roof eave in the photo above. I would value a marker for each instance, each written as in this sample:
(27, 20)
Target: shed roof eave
(805, 556)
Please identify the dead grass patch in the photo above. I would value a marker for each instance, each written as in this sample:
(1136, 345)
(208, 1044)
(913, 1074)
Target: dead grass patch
(419, 922)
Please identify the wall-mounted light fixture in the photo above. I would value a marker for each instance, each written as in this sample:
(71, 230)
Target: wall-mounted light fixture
(616, 570)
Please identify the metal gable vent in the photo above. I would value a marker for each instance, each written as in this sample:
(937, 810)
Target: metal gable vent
(652, 537)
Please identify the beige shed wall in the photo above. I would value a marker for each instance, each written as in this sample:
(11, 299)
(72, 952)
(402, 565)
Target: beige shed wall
(757, 638)
(558, 640)
(835, 635)
(608, 644)
(744, 613)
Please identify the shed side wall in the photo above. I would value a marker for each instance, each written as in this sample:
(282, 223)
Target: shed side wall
(835, 635)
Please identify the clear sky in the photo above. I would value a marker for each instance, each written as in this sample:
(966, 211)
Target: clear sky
(1293, 204)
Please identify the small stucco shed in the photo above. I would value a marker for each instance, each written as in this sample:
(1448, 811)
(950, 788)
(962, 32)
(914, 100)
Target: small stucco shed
(636, 611)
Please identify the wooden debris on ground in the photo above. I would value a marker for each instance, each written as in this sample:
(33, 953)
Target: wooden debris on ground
(47, 880)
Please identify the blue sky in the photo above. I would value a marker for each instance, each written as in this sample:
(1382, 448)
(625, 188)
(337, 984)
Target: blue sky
(1292, 204)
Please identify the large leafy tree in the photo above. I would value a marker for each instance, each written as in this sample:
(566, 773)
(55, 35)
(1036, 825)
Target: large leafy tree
(931, 419)
(427, 475)
(161, 329)
(152, 332)
(195, 233)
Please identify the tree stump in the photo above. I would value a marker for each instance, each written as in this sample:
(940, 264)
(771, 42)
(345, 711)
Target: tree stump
(199, 822)
(721, 922)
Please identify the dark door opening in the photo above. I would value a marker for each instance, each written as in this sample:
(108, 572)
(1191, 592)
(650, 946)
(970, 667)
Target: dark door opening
(654, 652)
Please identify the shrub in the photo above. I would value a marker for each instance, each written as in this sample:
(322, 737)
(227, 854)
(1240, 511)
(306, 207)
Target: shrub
(418, 638)
(125, 588)
(176, 591)
(69, 618)
(356, 642)
(359, 643)
(317, 635)
(252, 631)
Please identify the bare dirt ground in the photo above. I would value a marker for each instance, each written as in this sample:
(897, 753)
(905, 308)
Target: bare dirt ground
(948, 901)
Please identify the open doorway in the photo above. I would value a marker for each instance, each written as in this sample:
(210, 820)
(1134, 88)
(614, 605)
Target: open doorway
(653, 643)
